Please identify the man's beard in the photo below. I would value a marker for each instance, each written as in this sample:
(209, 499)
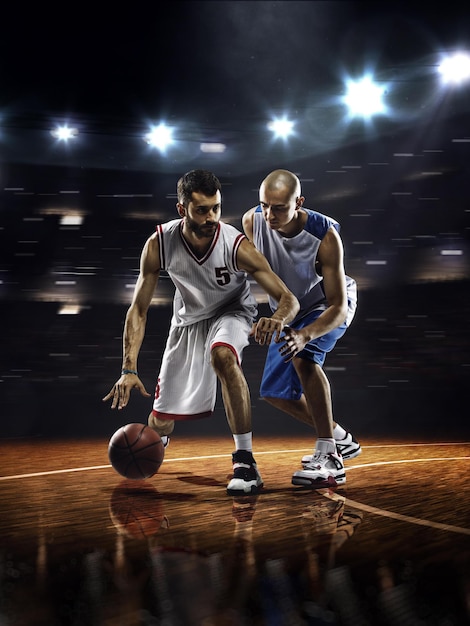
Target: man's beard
(205, 231)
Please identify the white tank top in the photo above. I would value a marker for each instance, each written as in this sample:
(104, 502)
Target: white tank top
(207, 286)
(293, 260)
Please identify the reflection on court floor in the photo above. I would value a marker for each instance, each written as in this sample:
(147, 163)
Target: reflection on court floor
(81, 545)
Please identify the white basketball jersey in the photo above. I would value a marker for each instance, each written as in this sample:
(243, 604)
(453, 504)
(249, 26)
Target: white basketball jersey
(205, 286)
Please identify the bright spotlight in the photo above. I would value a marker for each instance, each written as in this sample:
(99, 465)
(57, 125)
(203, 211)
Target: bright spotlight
(364, 98)
(282, 128)
(64, 133)
(160, 137)
(456, 68)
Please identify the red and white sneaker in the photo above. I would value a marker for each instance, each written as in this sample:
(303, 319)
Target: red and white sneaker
(323, 470)
(348, 448)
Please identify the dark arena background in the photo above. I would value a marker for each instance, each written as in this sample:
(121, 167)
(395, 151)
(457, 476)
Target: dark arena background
(80, 546)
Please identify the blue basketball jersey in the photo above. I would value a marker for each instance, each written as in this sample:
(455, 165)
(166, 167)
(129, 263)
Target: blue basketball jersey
(293, 259)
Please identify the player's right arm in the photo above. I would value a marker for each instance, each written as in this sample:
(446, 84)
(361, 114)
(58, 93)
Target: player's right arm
(135, 323)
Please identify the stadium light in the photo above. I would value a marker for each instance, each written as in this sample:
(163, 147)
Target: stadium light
(455, 68)
(160, 137)
(282, 128)
(64, 133)
(364, 98)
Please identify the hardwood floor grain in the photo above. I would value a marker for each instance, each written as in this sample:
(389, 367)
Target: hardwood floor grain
(79, 544)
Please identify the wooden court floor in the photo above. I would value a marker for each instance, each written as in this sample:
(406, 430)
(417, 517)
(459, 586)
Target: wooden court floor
(80, 545)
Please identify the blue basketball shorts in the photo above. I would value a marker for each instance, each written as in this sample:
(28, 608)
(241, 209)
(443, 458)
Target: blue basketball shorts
(280, 379)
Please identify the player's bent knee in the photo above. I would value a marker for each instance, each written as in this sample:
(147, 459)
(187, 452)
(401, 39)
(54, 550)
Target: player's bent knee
(222, 358)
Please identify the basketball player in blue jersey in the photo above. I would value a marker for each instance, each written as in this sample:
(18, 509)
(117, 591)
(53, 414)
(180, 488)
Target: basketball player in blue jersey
(305, 250)
(213, 316)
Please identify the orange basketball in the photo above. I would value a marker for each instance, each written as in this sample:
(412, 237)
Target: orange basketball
(136, 451)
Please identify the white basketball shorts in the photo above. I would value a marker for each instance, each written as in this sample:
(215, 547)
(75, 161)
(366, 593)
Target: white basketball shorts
(187, 384)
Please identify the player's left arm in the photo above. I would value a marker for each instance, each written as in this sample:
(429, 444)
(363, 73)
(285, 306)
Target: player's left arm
(330, 256)
(255, 263)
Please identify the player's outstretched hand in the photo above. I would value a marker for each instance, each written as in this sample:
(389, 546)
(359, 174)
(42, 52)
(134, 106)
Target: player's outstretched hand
(266, 329)
(121, 390)
(294, 342)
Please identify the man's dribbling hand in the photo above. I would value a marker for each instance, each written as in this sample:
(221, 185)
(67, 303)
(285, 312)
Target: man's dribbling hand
(266, 329)
(121, 390)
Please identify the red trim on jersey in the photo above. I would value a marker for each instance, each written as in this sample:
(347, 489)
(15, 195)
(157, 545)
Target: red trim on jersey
(181, 416)
(227, 345)
(208, 253)
(236, 245)
(157, 389)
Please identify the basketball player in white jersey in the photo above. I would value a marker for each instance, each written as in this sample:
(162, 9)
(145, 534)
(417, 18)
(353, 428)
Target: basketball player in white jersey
(213, 316)
(305, 250)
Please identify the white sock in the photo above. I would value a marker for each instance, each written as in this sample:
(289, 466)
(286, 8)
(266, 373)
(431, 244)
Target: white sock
(339, 432)
(325, 446)
(244, 441)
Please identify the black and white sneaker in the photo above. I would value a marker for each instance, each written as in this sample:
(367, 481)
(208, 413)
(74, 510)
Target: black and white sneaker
(324, 470)
(348, 448)
(246, 479)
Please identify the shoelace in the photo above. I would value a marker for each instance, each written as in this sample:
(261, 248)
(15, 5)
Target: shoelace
(319, 458)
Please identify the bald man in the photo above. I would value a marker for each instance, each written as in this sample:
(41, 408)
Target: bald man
(305, 250)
